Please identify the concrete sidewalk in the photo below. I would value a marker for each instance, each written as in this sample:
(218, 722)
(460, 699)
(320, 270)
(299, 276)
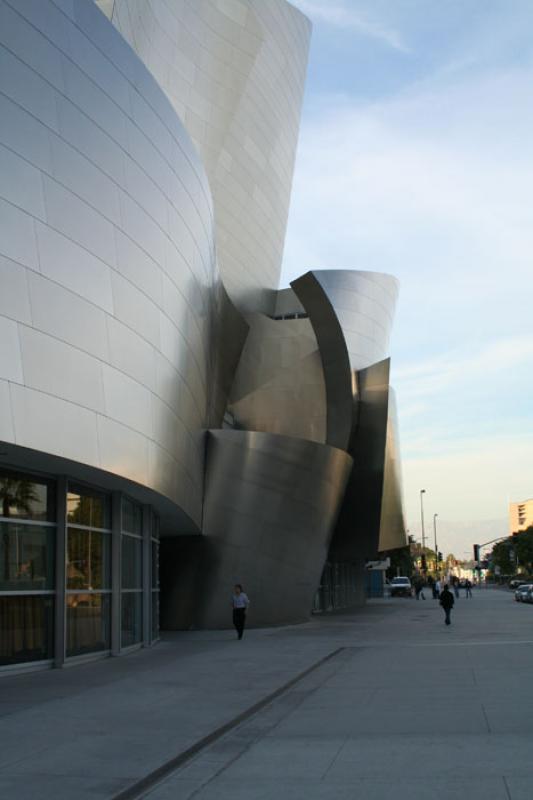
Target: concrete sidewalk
(404, 705)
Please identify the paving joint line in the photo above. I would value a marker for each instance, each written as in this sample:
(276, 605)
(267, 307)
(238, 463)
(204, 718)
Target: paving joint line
(140, 788)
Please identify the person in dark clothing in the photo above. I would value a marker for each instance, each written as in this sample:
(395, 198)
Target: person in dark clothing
(446, 601)
(419, 589)
(240, 603)
(468, 588)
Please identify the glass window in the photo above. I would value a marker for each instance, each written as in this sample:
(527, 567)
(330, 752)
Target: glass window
(25, 497)
(87, 507)
(88, 559)
(88, 623)
(131, 517)
(155, 526)
(27, 554)
(131, 563)
(26, 629)
(155, 565)
(155, 615)
(131, 618)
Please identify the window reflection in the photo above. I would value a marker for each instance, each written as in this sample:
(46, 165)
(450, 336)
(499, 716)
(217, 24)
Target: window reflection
(155, 615)
(26, 557)
(155, 565)
(25, 497)
(88, 623)
(131, 563)
(88, 559)
(131, 517)
(131, 618)
(88, 508)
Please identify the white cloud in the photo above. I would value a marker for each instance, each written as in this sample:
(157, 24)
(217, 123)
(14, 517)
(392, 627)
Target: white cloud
(342, 17)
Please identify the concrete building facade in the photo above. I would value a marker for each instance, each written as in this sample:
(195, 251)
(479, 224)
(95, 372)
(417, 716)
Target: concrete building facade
(171, 423)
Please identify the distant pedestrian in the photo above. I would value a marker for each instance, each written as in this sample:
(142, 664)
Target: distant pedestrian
(240, 603)
(419, 590)
(446, 601)
(438, 587)
(456, 588)
(468, 588)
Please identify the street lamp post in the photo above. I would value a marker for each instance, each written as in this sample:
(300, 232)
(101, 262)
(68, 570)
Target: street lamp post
(436, 548)
(422, 493)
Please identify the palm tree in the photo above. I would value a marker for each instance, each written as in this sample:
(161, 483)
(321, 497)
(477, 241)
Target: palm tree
(16, 493)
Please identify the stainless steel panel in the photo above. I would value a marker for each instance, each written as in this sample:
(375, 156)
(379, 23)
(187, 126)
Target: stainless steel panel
(32, 47)
(122, 450)
(17, 235)
(371, 516)
(10, 355)
(135, 309)
(63, 314)
(279, 384)
(137, 266)
(74, 267)
(20, 183)
(54, 426)
(77, 173)
(71, 216)
(244, 76)
(392, 531)
(335, 358)
(14, 297)
(131, 354)
(59, 369)
(271, 503)
(7, 431)
(91, 140)
(127, 401)
(25, 87)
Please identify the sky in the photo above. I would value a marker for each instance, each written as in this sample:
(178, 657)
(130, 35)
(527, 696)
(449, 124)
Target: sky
(416, 159)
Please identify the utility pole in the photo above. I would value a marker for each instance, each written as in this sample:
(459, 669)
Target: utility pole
(436, 548)
(422, 493)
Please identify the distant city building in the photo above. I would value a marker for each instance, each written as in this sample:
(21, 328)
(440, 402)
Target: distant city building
(170, 423)
(520, 516)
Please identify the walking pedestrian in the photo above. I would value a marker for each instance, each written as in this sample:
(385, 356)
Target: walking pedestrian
(468, 588)
(438, 587)
(456, 588)
(240, 603)
(419, 589)
(446, 601)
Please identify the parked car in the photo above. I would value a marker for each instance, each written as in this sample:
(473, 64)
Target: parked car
(516, 582)
(400, 587)
(528, 597)
(521, 592)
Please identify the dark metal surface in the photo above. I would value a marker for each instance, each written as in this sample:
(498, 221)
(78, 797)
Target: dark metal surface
(270, 507)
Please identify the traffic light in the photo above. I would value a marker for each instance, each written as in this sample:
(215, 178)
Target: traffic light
(476, 552)
(423, 561)
(439, 557)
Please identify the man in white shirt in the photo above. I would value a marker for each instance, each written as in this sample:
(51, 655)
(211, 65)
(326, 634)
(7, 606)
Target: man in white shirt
(240, 603)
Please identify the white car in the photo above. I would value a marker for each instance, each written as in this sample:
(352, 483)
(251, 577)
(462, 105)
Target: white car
(401, 587)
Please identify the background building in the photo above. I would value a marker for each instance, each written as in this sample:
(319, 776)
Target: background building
(520, 516)
(170, 423)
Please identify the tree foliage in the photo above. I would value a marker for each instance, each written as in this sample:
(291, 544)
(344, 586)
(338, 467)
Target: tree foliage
(515, 551)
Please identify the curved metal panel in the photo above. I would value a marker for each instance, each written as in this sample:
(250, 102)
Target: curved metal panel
(271, 504)
(371, 518)
(392, 530)
(234, 71)
(108, 253)
(279, 384)
(230, 333)
(334, 355)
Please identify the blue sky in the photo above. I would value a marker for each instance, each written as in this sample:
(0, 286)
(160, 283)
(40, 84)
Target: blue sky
(416, 158)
